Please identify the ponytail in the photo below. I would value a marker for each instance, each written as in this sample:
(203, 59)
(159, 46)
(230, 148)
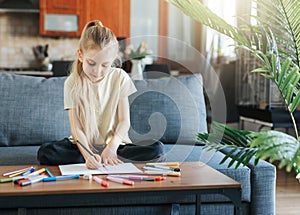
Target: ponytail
(93, 35)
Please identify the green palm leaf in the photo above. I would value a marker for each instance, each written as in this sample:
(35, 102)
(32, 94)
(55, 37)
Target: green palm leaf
(282, 17)
(272, 145)
(276, 146)
(236, 141)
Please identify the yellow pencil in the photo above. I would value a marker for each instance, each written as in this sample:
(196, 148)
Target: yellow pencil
(37, 172)
(18, 173)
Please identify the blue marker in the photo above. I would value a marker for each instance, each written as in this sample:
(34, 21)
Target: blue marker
(49, 172)
(63, 177)
(29, 171)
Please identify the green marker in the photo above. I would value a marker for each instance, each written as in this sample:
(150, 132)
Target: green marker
(5, 180)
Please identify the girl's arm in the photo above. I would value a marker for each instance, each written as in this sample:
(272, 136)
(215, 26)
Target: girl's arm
(78, 134)
(109, 154)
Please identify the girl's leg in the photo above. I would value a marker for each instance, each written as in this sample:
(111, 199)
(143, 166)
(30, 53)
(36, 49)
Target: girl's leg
(59, 153)
(147, 150)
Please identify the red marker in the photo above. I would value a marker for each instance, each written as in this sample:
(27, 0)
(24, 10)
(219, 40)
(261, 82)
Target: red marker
(100, 181)
(159, 178)
(19, 182)
(120, 180)
(32, 180)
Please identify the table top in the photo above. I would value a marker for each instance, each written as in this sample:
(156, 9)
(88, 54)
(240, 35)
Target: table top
(194, 176)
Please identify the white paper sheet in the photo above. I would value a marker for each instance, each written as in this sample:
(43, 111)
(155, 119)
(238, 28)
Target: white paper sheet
(72, 169)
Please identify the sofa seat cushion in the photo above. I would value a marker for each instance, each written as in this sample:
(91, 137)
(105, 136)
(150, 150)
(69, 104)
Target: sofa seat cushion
(168, 109)
(18, 155)
(193, 153)
(31, 110)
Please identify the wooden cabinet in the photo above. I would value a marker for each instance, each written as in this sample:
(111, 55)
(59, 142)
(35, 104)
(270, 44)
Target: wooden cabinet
(61, 17)
(62, 6)
(67, 18)
(114, 14)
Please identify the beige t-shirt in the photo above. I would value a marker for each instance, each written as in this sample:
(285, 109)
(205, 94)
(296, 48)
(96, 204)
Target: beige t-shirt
(115, 85)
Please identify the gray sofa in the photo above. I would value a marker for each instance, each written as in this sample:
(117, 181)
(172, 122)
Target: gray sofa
(169, 109)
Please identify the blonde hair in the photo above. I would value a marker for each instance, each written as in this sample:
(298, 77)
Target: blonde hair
(93, 35)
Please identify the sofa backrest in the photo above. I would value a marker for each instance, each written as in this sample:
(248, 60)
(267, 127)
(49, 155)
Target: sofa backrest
(31, 110)
(169, 109)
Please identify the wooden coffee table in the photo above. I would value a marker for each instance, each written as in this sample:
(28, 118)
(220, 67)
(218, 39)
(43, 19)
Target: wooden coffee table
(54, 197)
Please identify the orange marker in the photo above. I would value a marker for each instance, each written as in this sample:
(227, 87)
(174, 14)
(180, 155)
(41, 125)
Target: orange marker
(173, 164)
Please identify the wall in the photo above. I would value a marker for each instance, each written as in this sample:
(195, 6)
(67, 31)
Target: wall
(19, 32)
(144, 24)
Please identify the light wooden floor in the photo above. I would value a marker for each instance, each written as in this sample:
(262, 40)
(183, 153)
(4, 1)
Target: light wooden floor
(287, 193)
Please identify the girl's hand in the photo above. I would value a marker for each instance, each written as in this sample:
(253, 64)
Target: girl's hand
(93, 162)
(109, 156)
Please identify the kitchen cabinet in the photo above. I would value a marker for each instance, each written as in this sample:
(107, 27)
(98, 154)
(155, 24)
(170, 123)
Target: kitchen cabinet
(114, 14)
(61, 17)
(62, 5)
(67, 18)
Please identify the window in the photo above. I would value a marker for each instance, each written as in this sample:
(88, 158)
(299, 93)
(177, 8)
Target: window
(144, 23)
(217, 45)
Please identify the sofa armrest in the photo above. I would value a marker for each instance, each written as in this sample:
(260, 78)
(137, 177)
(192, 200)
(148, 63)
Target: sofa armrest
(263, 186)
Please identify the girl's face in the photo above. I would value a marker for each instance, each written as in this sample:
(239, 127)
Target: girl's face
(97, 62)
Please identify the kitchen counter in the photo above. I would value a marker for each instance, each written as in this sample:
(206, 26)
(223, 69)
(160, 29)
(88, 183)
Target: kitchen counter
(32, 73)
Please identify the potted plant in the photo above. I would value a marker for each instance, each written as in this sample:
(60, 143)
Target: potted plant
(136, 56)
(275, 43)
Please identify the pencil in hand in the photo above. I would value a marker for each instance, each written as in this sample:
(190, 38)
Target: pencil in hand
(88, 151)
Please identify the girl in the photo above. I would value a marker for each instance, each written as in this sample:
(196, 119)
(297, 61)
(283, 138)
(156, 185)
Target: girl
(96, 97)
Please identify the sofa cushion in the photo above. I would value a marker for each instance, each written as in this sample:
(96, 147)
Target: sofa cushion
(169, 109)
(19, 155)
(31, 110)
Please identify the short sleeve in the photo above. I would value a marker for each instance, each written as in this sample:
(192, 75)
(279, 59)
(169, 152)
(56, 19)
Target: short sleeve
(69, 82)
(127, 85)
